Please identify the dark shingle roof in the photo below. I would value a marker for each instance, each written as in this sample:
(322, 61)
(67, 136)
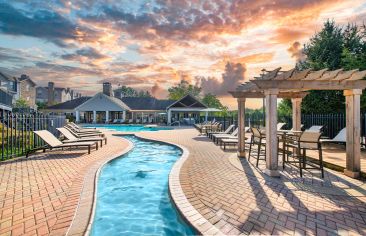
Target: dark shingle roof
(146, 103)
(69, 105)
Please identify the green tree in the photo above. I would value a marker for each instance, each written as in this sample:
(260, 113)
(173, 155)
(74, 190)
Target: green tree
(211, 100)
(41, 105)
(333, 48)
(126, 91)
(182, 89)
(21, 103)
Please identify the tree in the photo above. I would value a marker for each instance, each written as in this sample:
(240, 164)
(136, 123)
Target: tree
(41, 105)
(21, 103)
(333, 48)
(182, 89)
(126, 91)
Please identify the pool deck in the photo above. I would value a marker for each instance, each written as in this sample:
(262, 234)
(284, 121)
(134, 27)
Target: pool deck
(52, 193)
(237, 198)
(40, 195)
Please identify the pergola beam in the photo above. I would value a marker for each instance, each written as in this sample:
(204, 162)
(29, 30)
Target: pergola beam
(306, 85)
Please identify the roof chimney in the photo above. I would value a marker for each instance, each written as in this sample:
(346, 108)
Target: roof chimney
(107, 88)
(51, 93)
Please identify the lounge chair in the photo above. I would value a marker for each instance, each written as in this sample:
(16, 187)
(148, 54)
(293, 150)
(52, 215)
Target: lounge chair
(82, 131)
(53, 142)
(315, 128)
(72, 138)
(341, 137)
(216, 136)
(81, 135)
(280, 125)
(227, 131)
(230, 140)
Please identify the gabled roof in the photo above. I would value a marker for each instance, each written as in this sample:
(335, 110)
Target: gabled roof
(102, 102)
(26, 78)
(7, 77)
(146, 103)
(69, 105)
(188, 101)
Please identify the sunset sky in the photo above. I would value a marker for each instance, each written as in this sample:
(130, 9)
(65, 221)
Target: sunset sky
(152, 45)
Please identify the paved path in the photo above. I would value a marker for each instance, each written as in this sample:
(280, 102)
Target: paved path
(39, 195)
(238, 198)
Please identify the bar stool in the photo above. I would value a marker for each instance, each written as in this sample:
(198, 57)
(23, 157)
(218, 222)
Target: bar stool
(258, 138)
(307, 141)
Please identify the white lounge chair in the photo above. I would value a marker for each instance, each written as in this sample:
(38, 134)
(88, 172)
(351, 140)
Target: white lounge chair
(315, 128)
(53, 142)
(72, 138)
(341, 137)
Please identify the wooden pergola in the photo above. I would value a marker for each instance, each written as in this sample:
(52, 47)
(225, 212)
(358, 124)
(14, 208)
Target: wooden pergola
(294, 84)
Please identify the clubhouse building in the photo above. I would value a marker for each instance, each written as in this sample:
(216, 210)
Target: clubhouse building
(104, 107)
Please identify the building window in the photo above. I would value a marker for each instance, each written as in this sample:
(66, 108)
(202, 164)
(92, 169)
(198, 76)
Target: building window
(27, 98)
(27, 88)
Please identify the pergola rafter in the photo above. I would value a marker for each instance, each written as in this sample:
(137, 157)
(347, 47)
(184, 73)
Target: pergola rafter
(295, 84)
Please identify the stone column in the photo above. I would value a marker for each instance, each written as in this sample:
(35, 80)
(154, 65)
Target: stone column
(353, 126)
(169, 117)
(271, 133)
(296, 113)
(94, 116)
(77, 116)
(241, 126)
(106, 116)
(124, 115)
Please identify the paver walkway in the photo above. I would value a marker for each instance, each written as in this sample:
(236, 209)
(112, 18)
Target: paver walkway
(238, 198)
(39, 195)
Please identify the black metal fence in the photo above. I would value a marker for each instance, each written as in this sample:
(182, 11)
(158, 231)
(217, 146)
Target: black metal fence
(16, 136)
(332, 123)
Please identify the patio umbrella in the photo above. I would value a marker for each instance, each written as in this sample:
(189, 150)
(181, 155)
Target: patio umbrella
(210, 109)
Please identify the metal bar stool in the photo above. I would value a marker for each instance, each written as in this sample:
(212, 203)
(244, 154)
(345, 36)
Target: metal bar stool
(258, 138)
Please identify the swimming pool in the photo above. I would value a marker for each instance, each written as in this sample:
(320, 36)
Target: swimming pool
(132, 193)
(128, 128)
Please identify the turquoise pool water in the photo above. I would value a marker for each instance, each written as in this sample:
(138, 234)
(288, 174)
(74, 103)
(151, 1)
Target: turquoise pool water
(128, 128)
(132, 195)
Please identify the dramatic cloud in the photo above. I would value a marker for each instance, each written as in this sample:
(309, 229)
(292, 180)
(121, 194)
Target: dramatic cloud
(296, 51)
(154, 44)
(233, 76)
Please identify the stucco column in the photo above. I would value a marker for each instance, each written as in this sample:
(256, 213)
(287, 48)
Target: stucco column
(169, 117)
(271, 133)
(94, 116)
(241, 126)
(296, 113)
(353, 130)
(124, 115)
(106, 116)
(77, 116)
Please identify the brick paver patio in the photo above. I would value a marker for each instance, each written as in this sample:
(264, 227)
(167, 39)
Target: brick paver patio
(238, 198)
(39, 195)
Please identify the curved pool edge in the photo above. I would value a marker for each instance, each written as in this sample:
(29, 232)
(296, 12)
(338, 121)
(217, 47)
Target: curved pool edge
(181, 203)
(88, 195)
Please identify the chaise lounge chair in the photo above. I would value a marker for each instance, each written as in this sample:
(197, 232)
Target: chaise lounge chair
(82, 131)
(231, 140)
(227, 131)
(72, 138)
(341, 137)
(82, 135)
(53, 142)
(315, 128)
